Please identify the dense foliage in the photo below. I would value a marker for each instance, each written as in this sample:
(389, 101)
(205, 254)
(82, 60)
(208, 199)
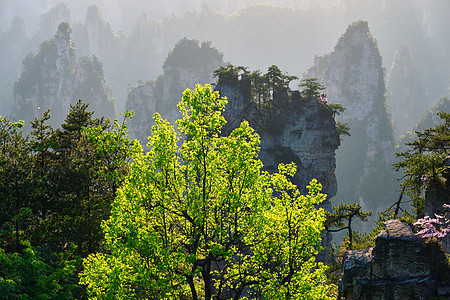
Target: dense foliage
(423, 163)
(272, 94)
(56, 187)
(203, 220)
(263, 89)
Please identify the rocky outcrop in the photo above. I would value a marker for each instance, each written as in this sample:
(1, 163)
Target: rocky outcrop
(353, 76)
(54, 79)
(301, 131)
(400, 266)
(405, 97)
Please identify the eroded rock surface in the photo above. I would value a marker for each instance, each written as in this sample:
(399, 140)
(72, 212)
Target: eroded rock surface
(400, 266)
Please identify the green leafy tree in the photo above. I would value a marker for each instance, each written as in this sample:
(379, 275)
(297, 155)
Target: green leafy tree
(201, 221)
(278, 84)
(341, 219)
(423, 162)
(35, 273)
(42, 144)
(312, 88)
(15, 183)
(112, 147)
(70, 219)
(229, 75)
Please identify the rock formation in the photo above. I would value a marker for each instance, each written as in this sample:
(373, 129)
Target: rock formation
(52, 78)
(301, 131)
(143, 42)
(353, 76)
(96, 37)
(405, 97)
(16, 42)
(186, 65)
(400, 266)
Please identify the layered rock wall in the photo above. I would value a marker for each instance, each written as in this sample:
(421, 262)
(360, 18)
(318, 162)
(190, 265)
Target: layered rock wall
(400, 266)
(302, 132)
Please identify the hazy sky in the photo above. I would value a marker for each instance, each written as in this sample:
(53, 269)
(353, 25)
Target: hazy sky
(113, 10)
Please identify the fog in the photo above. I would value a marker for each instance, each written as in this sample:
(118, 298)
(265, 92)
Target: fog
(288, 33)
(121, 14)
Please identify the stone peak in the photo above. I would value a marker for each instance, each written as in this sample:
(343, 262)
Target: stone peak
(356, 33)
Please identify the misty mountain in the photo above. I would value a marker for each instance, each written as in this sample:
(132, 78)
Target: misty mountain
(248, 35)
(354, 77)
(405, 96)
(186, 65)
(54, 78)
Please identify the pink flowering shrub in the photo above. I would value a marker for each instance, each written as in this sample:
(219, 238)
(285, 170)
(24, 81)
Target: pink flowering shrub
(432, 229)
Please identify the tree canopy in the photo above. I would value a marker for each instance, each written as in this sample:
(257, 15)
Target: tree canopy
(423, 164)
(202, 220)
(56, 187)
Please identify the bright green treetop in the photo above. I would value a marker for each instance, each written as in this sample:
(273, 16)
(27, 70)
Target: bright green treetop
(201, 220)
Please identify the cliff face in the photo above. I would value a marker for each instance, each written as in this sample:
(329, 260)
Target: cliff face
(353, 76)
(405, 97)
(53, 78)
(400, 266)
(302, 132)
